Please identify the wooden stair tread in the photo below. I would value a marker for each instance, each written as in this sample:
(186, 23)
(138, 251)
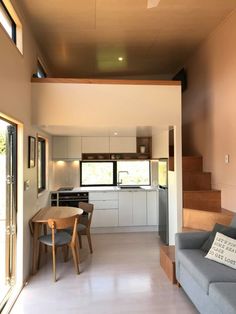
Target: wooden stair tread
(202, 200)
(205, 220)
(192, 156)
(167, 261)
(184, 229)
(202, 191)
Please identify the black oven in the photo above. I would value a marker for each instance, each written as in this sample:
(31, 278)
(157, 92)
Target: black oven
(70, 199)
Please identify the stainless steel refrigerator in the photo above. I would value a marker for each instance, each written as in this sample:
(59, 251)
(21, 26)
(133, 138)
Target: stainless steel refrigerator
(163, 200)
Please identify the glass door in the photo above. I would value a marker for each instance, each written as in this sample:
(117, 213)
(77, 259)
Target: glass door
(8, 163)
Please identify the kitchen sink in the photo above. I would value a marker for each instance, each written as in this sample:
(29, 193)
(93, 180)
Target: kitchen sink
(130, 187)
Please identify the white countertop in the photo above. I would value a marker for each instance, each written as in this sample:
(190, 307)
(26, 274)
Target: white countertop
(107, 188)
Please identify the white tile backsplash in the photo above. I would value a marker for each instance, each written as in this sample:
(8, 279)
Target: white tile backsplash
(66, 173)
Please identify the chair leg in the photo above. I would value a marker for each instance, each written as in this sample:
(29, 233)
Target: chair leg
(54, 262)
(65, 253)
(45, 232)
(75, 258)
(77, 250)
(80, 240)
(40, 252)
(89, 241)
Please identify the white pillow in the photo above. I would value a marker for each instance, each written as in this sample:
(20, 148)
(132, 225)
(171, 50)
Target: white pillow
(223, 250)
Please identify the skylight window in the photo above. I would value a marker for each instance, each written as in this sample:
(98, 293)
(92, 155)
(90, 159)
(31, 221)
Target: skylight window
(7, 22)
(41, 73)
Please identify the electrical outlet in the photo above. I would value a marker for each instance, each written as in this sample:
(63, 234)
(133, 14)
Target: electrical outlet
(227, 159)
(26, 185)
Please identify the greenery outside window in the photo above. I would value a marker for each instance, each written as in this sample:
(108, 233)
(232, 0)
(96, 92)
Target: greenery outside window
(112, 173)
(97, 173)
(133, 172)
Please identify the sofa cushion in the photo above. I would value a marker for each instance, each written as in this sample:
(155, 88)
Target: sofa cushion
(223, 250)
(224, 296)
(228, 231)
(205, 271)
(233, 222)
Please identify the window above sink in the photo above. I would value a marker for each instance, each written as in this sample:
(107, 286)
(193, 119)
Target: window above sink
(133, 173)
(124, 174)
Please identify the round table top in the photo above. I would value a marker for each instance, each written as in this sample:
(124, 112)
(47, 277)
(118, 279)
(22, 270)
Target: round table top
(55, 212)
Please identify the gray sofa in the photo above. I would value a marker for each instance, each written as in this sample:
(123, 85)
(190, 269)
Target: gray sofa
(210, 286)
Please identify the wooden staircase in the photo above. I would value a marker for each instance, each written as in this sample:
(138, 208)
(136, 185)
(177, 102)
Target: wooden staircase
(202, 205)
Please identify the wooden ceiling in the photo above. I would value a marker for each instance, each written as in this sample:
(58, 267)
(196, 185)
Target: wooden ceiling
(85, 38)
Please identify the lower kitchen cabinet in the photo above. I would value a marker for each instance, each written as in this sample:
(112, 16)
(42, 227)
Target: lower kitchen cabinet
(139, 208)
(126, 208)
(105, 218)
(152, 208)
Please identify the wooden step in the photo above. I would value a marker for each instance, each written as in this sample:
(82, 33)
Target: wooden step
(202, 200)
(167, 261)
(205, 220)
(194, 181)
(192, 163)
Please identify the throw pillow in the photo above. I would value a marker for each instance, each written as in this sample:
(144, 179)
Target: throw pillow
(223, 250)
(233, 222)
(228, 231)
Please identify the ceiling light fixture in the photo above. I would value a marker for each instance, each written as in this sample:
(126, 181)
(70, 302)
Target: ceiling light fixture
(120, 59)
(152, 3)
(115, 133)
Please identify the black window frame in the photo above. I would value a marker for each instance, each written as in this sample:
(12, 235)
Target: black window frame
(42, 156)
(114, 183)
(13, 24)
(40, 69)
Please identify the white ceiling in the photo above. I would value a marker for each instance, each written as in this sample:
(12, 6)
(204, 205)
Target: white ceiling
(85, 38)
(102, 131)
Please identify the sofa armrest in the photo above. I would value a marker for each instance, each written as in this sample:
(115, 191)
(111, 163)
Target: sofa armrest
(190, 240)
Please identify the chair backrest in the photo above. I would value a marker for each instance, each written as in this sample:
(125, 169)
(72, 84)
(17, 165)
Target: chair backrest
(63, 223)
(88, 208)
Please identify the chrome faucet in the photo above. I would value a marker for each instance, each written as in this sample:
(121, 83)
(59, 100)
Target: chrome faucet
(120, 180)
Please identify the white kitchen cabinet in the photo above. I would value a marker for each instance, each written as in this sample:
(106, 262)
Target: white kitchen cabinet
(123, 144)
(96, 196)
(152, 208)
(74, 147)
(105, 218)
(105, 209)
(139, 208)
(66, 147)
(160, 145)
(95, 144)
(105, 204)
(59, 147)
(126, 208)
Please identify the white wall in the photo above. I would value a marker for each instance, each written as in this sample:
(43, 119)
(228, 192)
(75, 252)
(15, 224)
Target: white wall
(111, 105)
(209, 109)
(15, 102)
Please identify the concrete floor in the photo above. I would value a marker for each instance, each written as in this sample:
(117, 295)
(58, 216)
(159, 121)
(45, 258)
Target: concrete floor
(122, 276)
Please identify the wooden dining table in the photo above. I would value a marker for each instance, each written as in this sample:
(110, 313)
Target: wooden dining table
(41, 218)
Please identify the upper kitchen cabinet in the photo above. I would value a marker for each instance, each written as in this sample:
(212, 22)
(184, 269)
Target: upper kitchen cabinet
(66, 147)
(95, 144)
(59, 147)
(160, 145)
(123, 144)
(74, 147)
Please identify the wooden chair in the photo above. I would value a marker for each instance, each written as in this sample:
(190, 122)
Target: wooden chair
(60, 238)
(83, 227)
